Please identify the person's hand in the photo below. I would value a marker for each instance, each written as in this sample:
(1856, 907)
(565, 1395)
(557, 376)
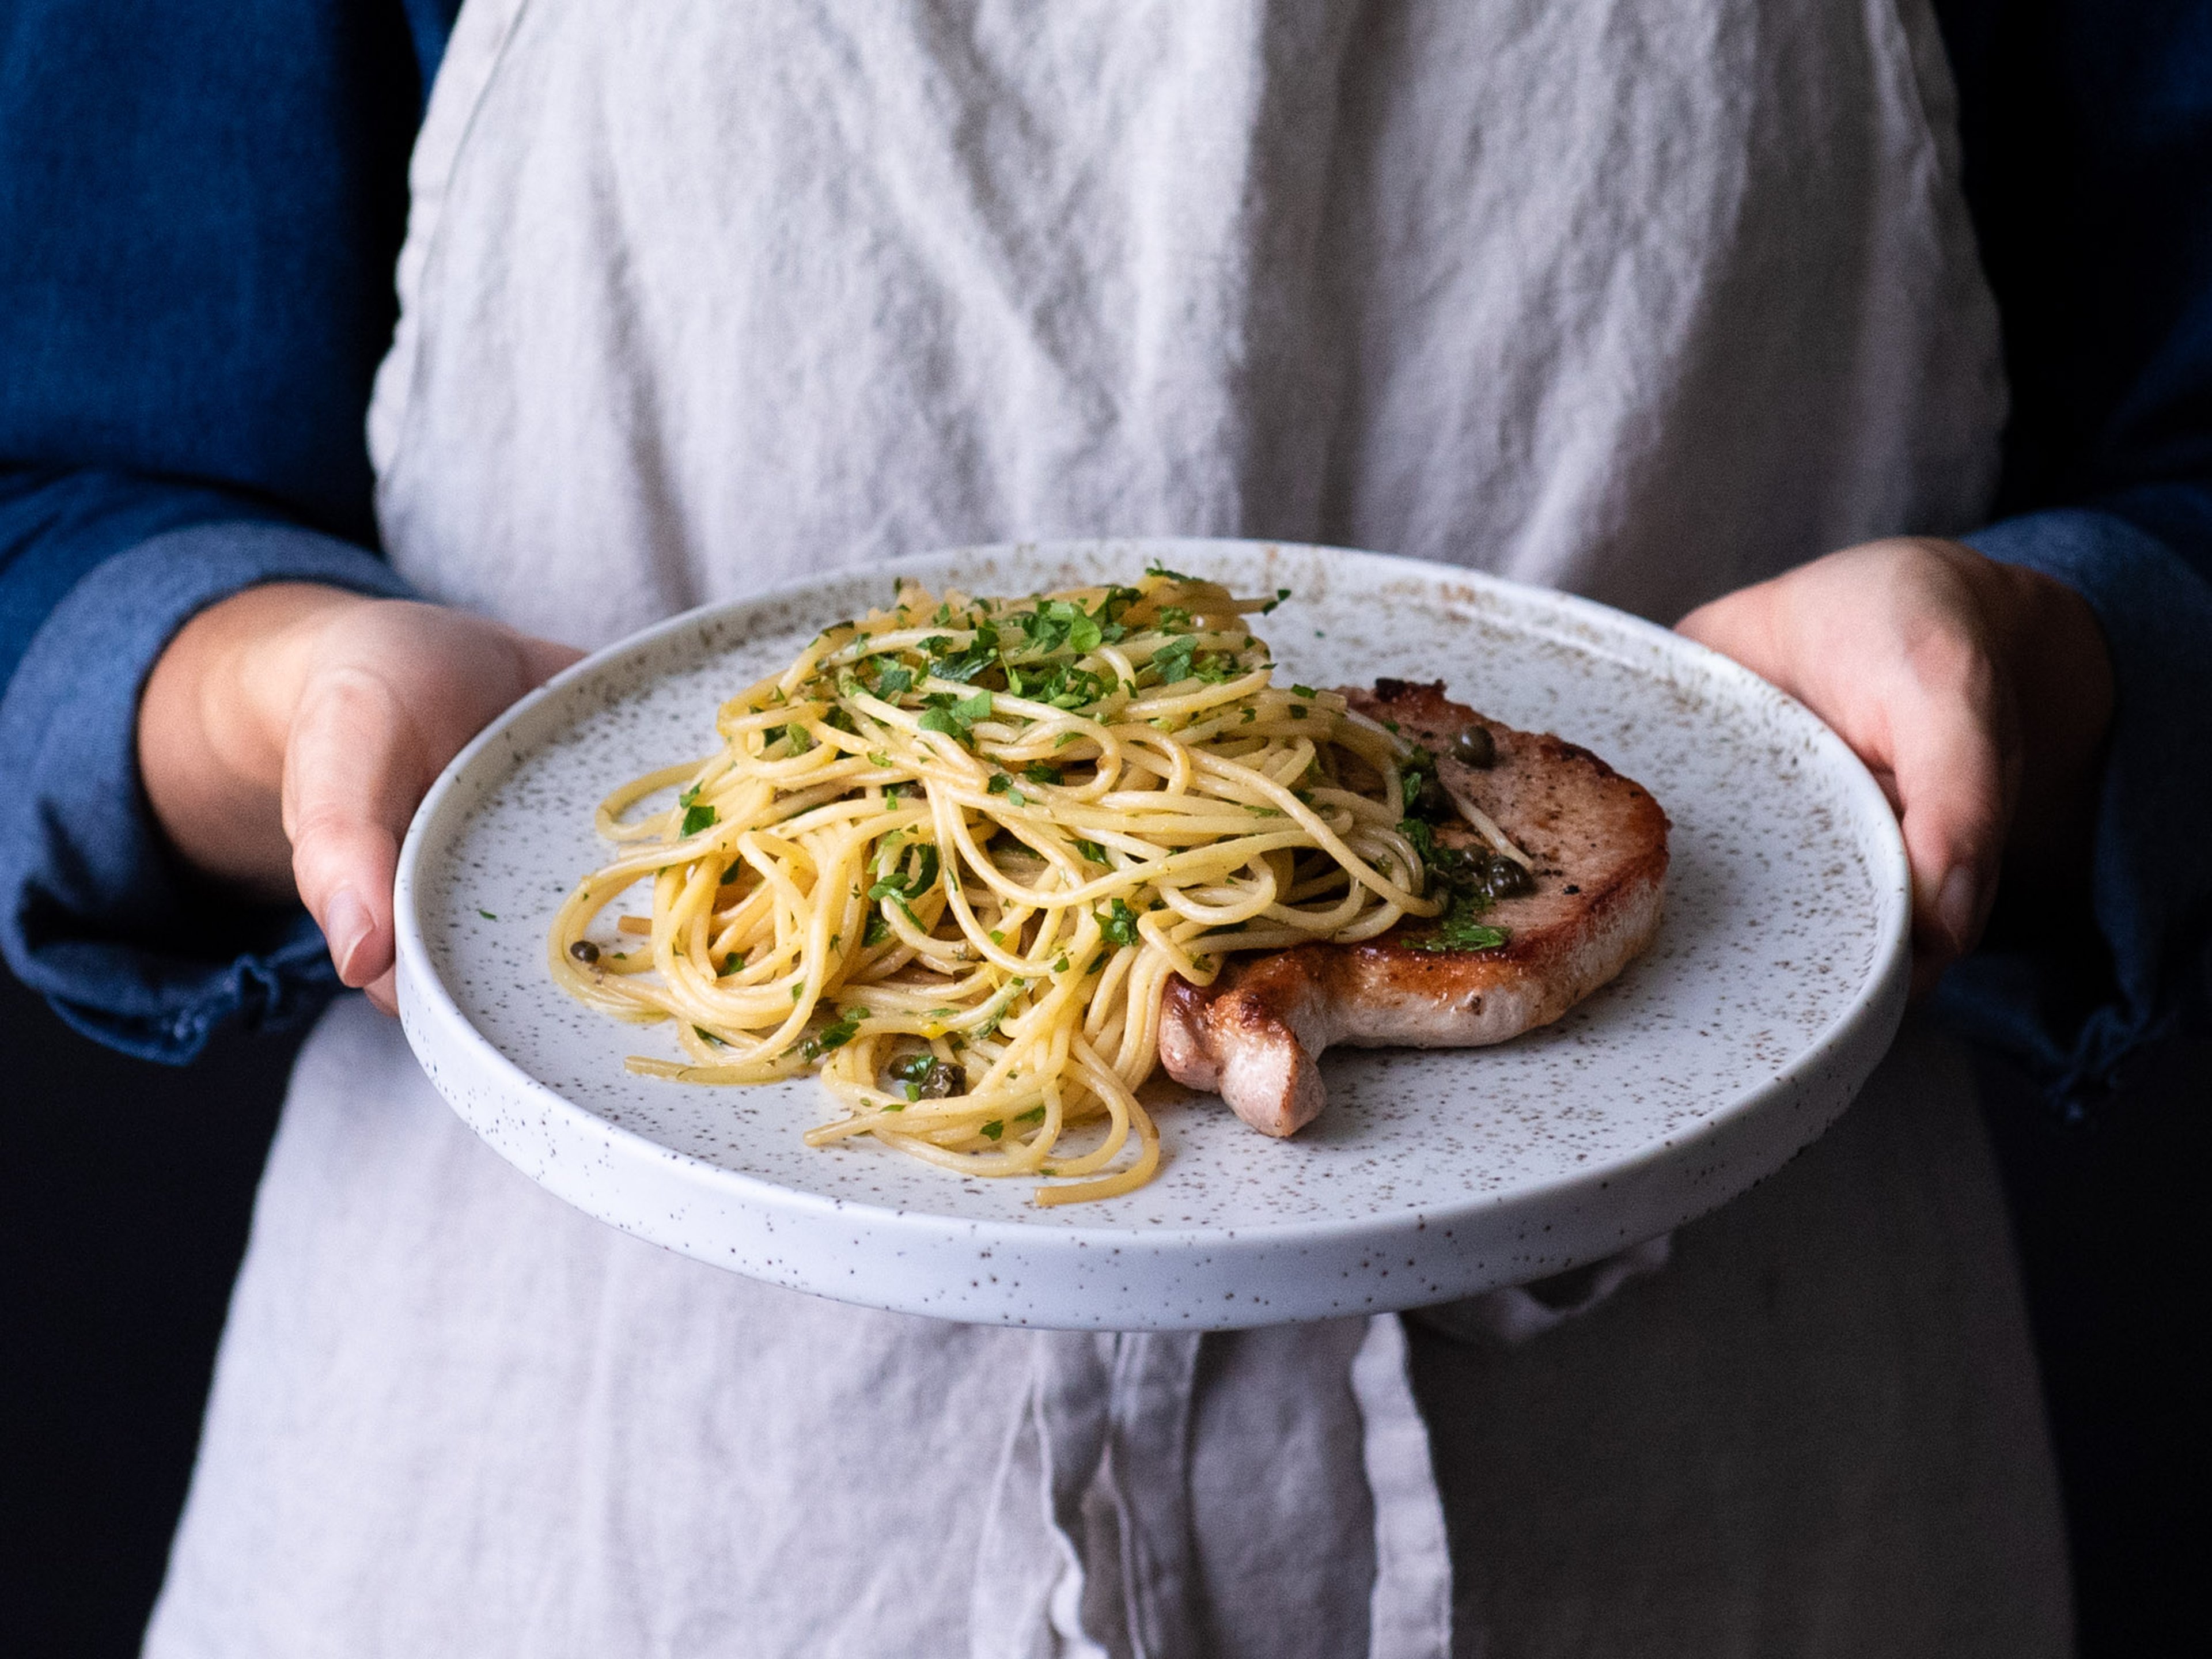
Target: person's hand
(1977, 693)
(288, 733)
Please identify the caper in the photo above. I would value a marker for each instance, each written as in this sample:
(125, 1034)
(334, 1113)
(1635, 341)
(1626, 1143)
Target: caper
(931, 1078)
(584, 950)
(1506, 878)
(1456, 866)
(1475, 747)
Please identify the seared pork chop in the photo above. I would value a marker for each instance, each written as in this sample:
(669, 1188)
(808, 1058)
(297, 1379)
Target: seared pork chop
(1598, 843)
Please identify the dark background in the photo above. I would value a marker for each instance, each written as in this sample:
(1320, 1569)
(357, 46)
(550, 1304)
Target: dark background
(125, 1191)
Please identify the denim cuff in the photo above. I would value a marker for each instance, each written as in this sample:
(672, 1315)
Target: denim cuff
(2071, 1009)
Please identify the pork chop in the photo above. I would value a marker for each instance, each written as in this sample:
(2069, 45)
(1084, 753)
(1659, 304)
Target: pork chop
(1598, 843)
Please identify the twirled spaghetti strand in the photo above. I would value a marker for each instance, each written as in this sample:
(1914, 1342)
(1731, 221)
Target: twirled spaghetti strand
(950, 857)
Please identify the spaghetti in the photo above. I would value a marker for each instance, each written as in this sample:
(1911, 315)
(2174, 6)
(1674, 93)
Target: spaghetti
(951, 855)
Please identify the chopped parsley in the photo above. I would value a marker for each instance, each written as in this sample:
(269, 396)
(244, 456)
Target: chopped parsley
(1173, 660)
(982, 652)
(912, 887)
(835, 1035)
(954, 716)
(1118, 922)
(696, 818)
(1458, 930)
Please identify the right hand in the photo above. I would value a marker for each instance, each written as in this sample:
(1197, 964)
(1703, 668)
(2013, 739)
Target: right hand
(289, 733)
(1978, 694)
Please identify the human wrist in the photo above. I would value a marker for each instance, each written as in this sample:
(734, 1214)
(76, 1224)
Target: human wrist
(2052, 652)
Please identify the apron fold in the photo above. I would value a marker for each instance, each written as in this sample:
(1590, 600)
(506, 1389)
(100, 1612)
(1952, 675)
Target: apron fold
(1410, 1613)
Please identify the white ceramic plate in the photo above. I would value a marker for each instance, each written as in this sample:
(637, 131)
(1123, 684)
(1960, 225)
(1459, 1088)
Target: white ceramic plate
(1776, 983)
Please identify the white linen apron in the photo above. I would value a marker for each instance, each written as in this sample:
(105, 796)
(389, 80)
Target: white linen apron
(1645, 300)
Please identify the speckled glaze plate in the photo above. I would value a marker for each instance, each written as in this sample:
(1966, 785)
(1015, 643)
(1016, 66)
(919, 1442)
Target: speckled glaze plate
(1776, 983)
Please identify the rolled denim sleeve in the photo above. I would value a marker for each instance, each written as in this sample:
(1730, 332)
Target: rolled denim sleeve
(2073, 1008)
(96, 912)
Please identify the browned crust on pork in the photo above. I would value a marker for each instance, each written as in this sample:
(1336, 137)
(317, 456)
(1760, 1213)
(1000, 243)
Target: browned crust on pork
(1599, 844)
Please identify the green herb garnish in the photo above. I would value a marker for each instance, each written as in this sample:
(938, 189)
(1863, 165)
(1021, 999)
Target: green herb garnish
(1458, 930)
(954, 716)
(1118, 922)
(1172, 661)
(835, 1035)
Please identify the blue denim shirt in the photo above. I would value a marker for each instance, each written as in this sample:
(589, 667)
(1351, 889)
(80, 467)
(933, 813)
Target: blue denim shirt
(202, 207)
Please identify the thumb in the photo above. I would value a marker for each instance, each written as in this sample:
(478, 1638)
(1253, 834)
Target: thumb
(353, 773)
(1954, 769)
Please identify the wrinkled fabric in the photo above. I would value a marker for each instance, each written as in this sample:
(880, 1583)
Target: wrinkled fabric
(1640, 303)
(1767, 1449)
(452, 1415)
(702, 298)
(2072, 1008)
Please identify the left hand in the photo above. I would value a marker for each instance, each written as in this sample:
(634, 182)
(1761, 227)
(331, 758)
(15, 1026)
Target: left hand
(1977, 693)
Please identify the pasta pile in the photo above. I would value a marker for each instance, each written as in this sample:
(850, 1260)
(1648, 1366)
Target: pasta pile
(951, 855)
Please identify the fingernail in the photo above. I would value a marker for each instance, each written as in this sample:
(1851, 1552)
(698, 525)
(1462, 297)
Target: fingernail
(1954, 907)
(346, 927)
